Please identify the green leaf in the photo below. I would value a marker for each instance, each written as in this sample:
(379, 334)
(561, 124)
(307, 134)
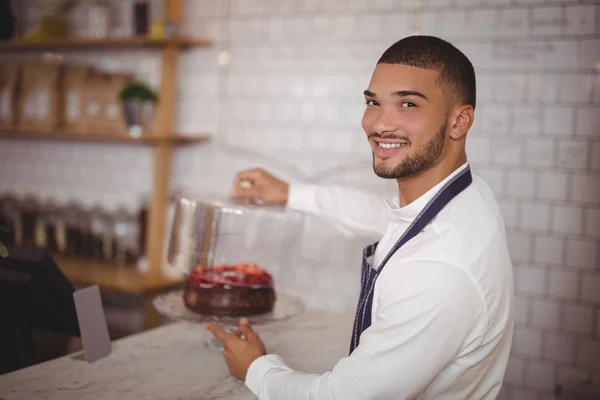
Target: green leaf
(138, 91)
(4, 229)
(3, 251)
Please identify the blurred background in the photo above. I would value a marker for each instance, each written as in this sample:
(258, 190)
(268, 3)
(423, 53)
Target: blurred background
(108, 109)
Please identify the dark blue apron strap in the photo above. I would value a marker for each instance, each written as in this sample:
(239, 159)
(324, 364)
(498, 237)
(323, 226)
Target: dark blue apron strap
(370, 250)
(443, 196)
(451, 189)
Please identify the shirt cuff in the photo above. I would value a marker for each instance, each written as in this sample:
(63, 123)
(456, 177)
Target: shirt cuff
(301, 197)
(259, 368)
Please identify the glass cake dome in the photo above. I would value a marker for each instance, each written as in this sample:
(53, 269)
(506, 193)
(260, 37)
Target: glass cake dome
(240, 259)
(212, 231)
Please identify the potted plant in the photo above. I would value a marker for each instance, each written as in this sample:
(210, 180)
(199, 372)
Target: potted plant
(138, 101)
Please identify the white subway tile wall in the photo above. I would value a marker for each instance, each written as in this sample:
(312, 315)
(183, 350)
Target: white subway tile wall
(289, 100)
(528, 342)
(546, 314)
(567, 220)
(560, 348)
(523, 309)
(563, 284)
(579, 319)
(515, 371)
(548, 250)
(541, 375)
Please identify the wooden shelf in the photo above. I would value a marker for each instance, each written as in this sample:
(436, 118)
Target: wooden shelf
(106, 138)
(182, 42)
(125, 279)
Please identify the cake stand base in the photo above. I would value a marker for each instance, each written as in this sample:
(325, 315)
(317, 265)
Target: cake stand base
(171, 305)
(215, 344)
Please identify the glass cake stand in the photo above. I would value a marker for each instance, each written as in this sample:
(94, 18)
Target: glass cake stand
(171, 305)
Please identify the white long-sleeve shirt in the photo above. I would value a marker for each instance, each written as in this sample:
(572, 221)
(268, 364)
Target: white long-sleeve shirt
(442, 314)
(353, 212)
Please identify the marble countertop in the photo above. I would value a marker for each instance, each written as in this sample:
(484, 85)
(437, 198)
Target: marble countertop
(172, 362)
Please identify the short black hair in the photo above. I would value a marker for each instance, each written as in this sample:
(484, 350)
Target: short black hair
(457, 74)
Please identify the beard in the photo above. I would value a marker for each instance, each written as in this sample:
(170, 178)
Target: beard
(425, 157)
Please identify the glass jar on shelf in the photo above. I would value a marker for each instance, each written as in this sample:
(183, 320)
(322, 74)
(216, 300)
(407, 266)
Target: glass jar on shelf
(29, 213)
(96, 234)
(108, 236)
(73, 230)
(143, 212)
(85, 227)
(126, 237)
(50, 224)
(44, 232)
(58, 221)
(9, 220)
(99, 19)
(101, 234)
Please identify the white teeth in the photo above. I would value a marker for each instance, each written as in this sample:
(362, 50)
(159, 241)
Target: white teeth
(391, 145)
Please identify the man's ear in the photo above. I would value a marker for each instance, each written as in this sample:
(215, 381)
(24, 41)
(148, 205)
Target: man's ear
(463, 118)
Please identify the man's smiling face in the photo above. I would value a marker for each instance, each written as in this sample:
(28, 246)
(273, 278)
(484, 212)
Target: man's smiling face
(405, 119)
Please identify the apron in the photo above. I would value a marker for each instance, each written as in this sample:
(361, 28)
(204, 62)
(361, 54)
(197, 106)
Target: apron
(369, 275)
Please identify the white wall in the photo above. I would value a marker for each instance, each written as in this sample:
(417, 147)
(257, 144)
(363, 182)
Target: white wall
(290, 101)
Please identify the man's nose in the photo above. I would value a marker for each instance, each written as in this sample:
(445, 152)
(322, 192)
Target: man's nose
(385, 122)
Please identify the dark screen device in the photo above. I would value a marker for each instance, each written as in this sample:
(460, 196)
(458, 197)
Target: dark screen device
(34, 294)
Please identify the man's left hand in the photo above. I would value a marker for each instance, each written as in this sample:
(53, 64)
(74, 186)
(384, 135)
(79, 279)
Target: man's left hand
(239, 352)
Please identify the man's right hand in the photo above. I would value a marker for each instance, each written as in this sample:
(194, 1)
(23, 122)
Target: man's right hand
(259, 184)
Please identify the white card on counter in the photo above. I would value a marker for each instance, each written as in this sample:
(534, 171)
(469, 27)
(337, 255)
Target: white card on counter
(92, 323)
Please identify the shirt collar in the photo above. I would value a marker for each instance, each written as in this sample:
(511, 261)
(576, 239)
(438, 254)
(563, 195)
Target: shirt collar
(409, 212)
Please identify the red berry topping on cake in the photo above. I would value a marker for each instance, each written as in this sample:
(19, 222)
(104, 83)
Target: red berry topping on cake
(231, 275)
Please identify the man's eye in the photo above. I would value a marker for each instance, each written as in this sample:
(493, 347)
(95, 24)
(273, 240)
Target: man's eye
(372, 103)
(408, 104)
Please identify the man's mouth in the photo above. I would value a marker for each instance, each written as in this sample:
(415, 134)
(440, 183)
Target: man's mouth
(391, 145)
(385, 148)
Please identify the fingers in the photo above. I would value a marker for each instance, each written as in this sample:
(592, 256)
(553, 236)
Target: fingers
(250, 175)
(245, 326)
(246, 329)
(219, 333)
(246, 183)
(248, 192)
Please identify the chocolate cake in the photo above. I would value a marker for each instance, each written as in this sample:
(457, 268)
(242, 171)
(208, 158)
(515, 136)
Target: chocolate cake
(229, 290)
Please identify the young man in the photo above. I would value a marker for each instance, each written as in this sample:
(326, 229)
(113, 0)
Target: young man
(435, 315)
